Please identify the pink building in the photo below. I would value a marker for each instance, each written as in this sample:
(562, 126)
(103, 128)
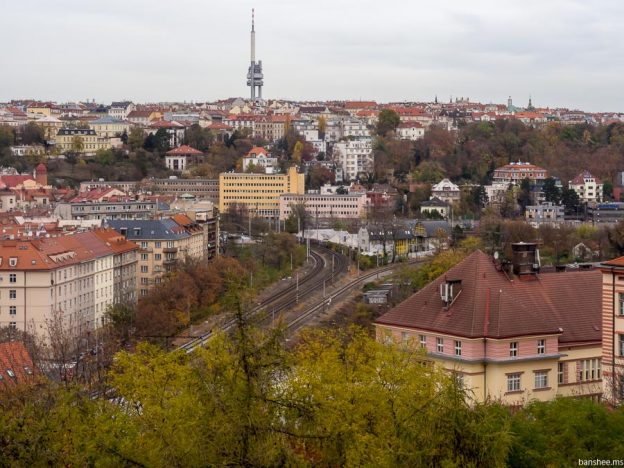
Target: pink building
(508, 331)
(325, 206)
(613, 329)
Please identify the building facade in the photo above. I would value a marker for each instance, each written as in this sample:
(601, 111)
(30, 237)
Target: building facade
(516, 172)
(163, 243)
(587, 187)
(354, 156)
(507, 331)
(258, 193)
(71, 275)
(324, 206)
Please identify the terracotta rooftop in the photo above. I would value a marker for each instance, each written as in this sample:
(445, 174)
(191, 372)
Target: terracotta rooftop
(491, 305)
(16, 365)
(579, 179)
(183, 150)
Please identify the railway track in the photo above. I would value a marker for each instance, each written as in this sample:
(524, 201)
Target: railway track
(308, 314)
(289, 296)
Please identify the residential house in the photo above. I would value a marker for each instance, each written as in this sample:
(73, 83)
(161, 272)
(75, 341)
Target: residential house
(258, 157)
(446, 191)
(182, 158)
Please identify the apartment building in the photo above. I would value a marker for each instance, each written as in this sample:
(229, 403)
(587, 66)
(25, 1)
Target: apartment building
(544, 213)
(109, 127)
(324, 206)
(127, 208)
(354, 156)
(259, 193)
(163, 243)
(587, 187)
(125, 265)
(80, 140)
(508, 332)
(72, 275)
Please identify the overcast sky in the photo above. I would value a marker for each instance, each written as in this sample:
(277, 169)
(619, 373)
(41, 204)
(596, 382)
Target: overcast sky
(567, 53)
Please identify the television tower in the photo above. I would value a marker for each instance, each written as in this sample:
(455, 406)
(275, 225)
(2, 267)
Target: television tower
(254, 74)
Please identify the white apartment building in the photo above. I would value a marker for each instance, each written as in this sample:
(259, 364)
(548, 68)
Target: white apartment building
(354, 128)
(354, 156)
(588, 187)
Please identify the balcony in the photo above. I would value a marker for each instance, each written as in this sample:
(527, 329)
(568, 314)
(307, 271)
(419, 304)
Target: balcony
(170, 250)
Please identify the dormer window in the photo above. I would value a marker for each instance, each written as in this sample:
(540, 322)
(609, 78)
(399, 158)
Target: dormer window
(13, 261)
(449, 291)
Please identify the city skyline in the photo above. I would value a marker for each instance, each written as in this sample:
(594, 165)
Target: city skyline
(563, 54)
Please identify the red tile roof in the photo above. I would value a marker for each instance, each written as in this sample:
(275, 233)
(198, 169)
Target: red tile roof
(16, 365)
(490, 305)
(579, 179)
(183, 150)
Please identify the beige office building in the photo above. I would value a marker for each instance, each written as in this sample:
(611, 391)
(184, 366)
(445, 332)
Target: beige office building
(259, 193)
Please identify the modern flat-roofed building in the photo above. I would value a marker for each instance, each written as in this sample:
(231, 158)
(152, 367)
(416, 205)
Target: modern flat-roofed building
(324, 206)
(259, 193)
(113, 209)
(544, 213)
(509, 332)
(207, 189)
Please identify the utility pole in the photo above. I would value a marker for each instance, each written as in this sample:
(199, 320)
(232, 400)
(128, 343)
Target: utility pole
(297, 289)
(291, 262)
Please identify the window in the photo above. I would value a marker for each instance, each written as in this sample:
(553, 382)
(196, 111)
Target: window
(144, 245)
(144, 280)
(621, 342)
(12, 278)
(13, 325)
(423, 341)
(157, 256)
(158, 244)
(513, 382)
(143, 268)
(560, 373)
(12, 294)
(541, 379)
(458, 348)
(621, 309)
(12, 310)
(144, 256)
(513, 349)
(589, 369)
(541, 346)
(440, 345)
(404, 338)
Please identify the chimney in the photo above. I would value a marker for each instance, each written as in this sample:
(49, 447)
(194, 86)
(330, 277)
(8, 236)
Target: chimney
(525, 258)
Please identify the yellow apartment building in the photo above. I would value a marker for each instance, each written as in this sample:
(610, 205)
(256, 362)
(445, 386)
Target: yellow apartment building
(259, 193)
